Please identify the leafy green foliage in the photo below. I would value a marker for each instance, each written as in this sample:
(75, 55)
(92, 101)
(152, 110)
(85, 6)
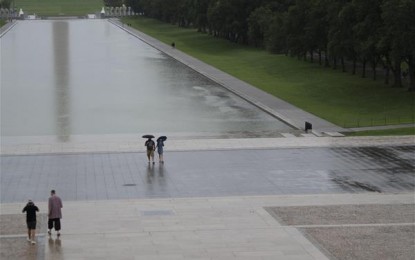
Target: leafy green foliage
(63, 7)
(363, 33)
(338, 97)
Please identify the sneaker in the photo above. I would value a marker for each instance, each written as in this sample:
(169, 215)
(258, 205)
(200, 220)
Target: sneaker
(59, 234)
(33, 242)
(49, 233)
(28, 239)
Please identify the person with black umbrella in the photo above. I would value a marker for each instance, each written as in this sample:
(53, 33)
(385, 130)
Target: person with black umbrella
(160, 144)
(151, 147)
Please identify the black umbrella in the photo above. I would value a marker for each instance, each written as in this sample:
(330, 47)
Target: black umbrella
(148, 136)
(163, 138)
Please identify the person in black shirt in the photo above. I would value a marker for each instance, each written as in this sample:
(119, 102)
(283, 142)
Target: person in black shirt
(30, 210)
(151, 146)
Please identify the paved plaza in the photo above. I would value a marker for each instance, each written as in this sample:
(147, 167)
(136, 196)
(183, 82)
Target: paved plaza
(215, 173)
(226, 200)
(294, 198)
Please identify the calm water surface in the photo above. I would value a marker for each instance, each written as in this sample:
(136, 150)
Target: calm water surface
(87, 77)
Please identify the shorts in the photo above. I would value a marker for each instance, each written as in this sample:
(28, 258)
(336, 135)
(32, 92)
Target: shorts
(31, 224)
(150, 152)
(54, 222)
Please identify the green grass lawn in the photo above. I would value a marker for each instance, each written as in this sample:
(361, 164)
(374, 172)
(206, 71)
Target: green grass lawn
(2, 22)
(59, 7)
(398, 131)
(344, 99)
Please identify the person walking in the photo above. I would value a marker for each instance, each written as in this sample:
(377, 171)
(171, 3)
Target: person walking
(54, 213)
(151, 147)
(160, 144)
(30, 210)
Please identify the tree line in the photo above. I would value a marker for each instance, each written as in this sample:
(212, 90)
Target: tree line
(5, 4)
(364, 34)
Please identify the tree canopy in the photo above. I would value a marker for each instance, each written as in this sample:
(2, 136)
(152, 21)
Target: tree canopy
(375, 33)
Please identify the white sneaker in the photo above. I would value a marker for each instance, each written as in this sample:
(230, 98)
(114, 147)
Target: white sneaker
(28, 239)
(33, 242)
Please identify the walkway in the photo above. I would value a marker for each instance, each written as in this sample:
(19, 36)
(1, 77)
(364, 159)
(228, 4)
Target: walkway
(215, 173)
(219, 203)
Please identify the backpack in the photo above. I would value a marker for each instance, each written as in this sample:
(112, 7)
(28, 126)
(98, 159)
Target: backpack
(150, 145)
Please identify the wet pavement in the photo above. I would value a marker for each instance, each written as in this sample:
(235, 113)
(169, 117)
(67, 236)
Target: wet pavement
(106, 176)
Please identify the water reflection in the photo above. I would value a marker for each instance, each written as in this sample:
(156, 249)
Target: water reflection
(83, 77)
(150, 173)
(377, 169)
(60, 31)
(55, 247)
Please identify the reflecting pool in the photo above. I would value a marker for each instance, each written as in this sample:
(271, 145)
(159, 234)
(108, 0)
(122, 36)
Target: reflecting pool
(61, 78)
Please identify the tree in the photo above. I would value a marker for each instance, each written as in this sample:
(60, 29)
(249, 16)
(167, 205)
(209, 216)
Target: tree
(258, 25)
(367, 32)
(316, 28)
(341, 39)
(295, 28)
(200, 12)
(135, 5)
(399, 37)
(113, 2)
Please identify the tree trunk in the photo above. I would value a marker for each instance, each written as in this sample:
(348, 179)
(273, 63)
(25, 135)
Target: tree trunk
(387, 75)
(343, 66)
(374, 70)
(397, 73)
(335, 63)
(354, 66)
(411, 72)
(326, 60)
(364, 68)
(319, 57)
(312, 56)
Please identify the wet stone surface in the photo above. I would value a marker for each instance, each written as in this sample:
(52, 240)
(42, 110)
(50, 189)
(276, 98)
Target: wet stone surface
(364, 243)
(13, 234)
(209, 173)
(343, 214)
(15, 224)
(355, 231)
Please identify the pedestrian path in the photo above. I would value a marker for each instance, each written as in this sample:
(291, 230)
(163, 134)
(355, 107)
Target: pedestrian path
(134, 143)
(189, 228)
(206, 173)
